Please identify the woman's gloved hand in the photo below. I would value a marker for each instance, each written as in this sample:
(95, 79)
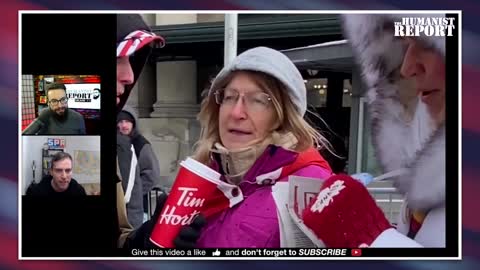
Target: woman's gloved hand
(187, 237)
(189, 234)
(344, 214)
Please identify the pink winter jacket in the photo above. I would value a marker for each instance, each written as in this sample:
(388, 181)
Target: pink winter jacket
(253, 223)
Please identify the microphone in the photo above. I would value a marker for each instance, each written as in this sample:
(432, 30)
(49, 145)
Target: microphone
(39, 125)
(34, 127)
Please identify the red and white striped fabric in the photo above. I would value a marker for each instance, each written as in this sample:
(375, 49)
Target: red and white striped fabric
(135, 41)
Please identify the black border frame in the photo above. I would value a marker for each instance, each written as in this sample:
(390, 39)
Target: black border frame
(86, 29)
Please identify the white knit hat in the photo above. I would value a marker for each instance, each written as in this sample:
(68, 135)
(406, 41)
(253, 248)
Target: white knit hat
(271, 62)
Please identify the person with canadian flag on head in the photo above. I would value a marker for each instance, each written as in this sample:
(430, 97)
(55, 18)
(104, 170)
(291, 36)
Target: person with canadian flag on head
(406, 91)
(135, 41)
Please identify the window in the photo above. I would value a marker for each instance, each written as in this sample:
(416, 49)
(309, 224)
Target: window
(385, 195)
(347, 93)
(369, 161)
(317, 92)
(28, 100)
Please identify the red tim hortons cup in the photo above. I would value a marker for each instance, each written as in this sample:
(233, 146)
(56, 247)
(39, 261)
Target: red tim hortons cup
(197, 189)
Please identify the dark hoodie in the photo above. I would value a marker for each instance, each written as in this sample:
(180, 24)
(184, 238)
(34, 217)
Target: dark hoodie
(45, 189)
(147, 169)
(138, 140)
(127, 25)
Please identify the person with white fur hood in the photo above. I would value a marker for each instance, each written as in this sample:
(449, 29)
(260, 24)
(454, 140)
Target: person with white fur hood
(405, 78)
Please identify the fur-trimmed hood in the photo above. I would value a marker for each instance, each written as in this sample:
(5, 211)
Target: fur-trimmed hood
(403, 133)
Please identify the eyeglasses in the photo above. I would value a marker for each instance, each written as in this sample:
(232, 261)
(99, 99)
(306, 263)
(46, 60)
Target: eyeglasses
(254, 101)
(55, 102)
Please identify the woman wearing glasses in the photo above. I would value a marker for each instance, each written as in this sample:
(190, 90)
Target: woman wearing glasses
(254, 134)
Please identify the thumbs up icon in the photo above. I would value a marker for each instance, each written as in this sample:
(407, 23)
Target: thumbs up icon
(216, 253)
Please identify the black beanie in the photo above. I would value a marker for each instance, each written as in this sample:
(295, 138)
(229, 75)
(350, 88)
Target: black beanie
(123, 115)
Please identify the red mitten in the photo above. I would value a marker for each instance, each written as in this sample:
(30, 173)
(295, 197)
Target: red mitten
(344, 214)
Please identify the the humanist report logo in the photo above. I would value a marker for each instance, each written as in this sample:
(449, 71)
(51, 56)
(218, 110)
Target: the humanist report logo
(425, 26)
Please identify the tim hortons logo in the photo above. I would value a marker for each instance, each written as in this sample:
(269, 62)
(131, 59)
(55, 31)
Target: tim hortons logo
(186, 200)
(325, 197)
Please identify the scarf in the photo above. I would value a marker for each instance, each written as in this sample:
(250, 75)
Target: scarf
(236, 162)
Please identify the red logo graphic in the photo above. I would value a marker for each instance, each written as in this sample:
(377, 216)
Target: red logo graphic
(356, 252)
